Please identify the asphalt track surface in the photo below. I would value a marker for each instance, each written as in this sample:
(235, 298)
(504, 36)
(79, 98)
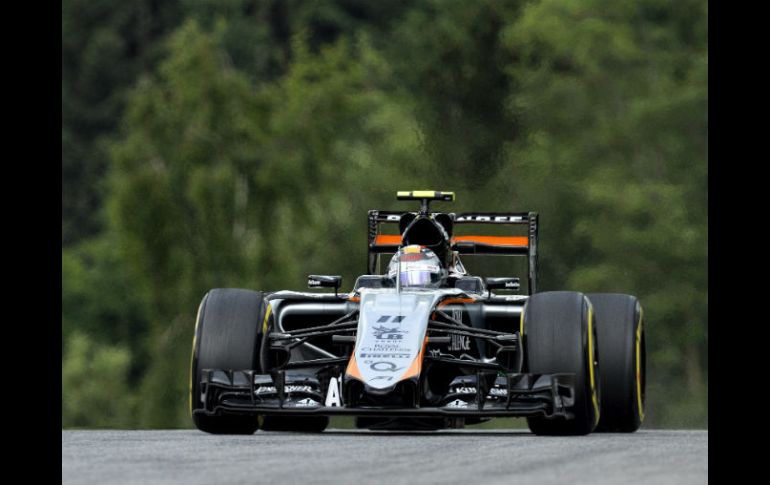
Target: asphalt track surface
(470, 456)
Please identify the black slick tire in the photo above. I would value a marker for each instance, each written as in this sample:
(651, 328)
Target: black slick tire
(226, 337)
(559, 337)
(622, 350)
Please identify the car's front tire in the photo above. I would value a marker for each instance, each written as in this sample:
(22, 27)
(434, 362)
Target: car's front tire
(560, 337)
(226, 337)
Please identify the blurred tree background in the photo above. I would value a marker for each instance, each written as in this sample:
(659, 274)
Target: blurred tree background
(239, 143)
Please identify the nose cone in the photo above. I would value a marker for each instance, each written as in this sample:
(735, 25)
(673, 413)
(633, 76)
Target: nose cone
(391, 338)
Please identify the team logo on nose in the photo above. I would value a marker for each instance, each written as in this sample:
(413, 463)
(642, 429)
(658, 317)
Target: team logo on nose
(384, 333)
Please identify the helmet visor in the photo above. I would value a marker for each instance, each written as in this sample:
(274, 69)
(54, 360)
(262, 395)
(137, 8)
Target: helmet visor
(416, 278)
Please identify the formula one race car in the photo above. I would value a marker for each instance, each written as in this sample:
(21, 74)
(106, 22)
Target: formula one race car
(424, 345)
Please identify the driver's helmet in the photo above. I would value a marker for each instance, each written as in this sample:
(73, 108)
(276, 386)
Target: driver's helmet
(416, 267)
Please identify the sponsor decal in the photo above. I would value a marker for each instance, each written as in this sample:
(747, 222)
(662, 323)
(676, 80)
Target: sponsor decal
(464, 390)
(305, 403)
(384, 366)
(333, 394)
(290, 388)
(490, 219)
(457, 403)
(457, 314)
(378, 355)
(312, 282)
(460, 342)
(396, 319)
(494, 392)
(384, 333)
(387, 378)
(386, 347)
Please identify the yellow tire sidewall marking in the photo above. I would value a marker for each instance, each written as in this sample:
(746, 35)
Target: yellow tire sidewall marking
(192, 354)
(267, 316)
(638, 351)
(592, 378)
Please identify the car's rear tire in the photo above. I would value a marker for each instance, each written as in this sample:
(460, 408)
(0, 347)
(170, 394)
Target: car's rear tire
(622, 349)
(226, 337)
(559, 337)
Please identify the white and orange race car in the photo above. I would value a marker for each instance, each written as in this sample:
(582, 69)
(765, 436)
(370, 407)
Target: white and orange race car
(422, 344)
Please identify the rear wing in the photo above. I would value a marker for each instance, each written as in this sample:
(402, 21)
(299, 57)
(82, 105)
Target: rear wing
(483, 245)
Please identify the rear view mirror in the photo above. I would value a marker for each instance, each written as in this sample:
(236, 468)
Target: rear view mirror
(327, 281)
(503, 283)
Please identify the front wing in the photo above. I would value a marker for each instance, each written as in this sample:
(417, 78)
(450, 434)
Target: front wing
(512, 395)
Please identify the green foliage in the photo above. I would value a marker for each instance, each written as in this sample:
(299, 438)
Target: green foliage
(95, 378)
(105, 45)
(102, 299)
(257, 132)
(449, 57)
